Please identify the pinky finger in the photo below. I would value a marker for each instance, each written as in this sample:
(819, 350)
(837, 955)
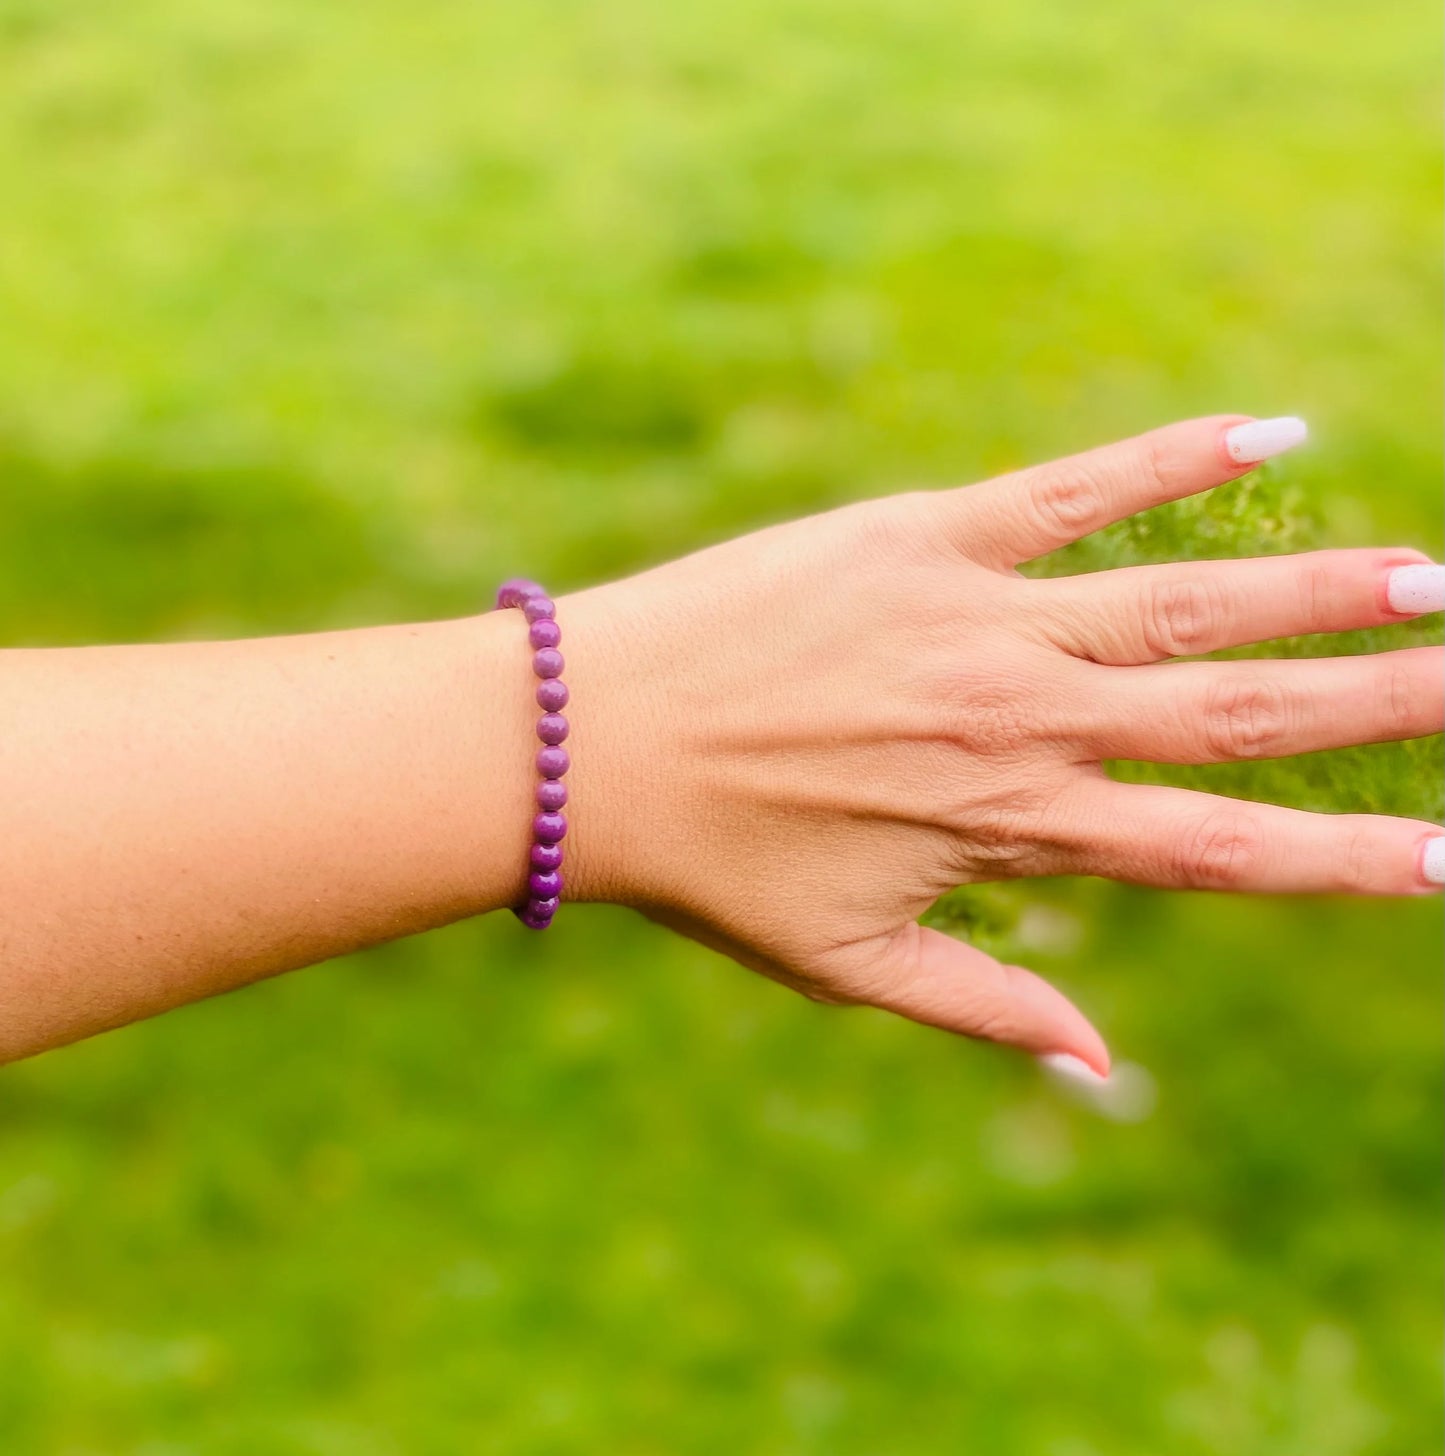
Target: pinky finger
(934, 979)
(1183, 840)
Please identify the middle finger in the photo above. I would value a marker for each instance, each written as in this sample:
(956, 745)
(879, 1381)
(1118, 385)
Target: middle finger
(1139, 614)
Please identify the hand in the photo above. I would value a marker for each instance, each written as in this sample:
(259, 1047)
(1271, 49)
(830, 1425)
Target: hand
(788, 746)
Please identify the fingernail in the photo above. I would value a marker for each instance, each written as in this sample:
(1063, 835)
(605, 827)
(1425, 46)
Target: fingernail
(1260, 439)
(1413, 590)
(1432, 861)
(1076, 1069)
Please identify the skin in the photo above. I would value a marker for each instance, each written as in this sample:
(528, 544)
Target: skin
(787, 747)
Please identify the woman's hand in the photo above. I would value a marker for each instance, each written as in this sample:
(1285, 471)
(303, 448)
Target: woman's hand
(790, 745)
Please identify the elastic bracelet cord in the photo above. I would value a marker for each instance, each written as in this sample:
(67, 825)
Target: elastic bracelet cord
(549, 825)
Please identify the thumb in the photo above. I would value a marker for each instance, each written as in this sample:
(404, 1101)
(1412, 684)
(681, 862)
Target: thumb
(932, 978)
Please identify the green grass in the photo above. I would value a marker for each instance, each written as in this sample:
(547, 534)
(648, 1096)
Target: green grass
(312, 314)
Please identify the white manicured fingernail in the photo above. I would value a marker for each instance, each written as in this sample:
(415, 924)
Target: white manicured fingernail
(1432, 861)
(1071, 1069)
(1127, 1094)
(1260, 439)
(1416, 589)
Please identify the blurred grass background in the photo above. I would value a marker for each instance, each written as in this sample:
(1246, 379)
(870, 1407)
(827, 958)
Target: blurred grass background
(316, 314)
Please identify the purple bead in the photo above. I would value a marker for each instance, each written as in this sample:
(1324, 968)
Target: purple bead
(516, 590)
(551, 727)
(544, 633)
(545, 884)
(553, 762)
(549, 827)
(551, 794)
(552, 694)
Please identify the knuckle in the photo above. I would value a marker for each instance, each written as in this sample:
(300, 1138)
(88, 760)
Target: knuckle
(1220, 851)
(998, 1022)
(1249, 719)
(1364, 859)
(998, 841)
(1404, 700)
(1179, 617)
(991, 709)
(1318, 586)
(1159, 468)
(996, 859)
(989, 726)
(1068, 503)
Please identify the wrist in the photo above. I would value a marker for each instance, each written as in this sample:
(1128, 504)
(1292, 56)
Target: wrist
(485, 745)
(623, 783)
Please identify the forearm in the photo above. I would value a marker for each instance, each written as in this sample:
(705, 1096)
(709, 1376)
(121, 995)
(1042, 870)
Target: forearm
(181, 820)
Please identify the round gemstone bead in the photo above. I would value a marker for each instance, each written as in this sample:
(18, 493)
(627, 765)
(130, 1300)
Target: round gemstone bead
(548, 662)
(551, 794)
(553, 761)
(551, 727)
(537, 607)
(546, 856)
(532, 919)
(543, 907)
(549, 827)
(544, 884)
(544, 633)
(552, 694)
(516, 590)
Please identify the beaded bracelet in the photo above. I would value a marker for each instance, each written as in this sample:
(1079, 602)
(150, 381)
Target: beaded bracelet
(549, 826)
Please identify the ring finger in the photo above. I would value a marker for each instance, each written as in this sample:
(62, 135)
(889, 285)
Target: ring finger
(1183, 840)
(1219, 712)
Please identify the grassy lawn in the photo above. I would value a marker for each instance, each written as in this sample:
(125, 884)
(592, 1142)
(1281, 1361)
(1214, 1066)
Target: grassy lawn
(316, 314)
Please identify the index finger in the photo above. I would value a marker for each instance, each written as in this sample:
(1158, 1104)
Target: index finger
(1025, 514)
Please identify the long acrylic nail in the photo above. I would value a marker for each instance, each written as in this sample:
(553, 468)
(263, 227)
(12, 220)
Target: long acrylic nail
(1127, 1094)
(1432, 861)
(1258, 440)
(1071, 1069)
(1414, 590)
